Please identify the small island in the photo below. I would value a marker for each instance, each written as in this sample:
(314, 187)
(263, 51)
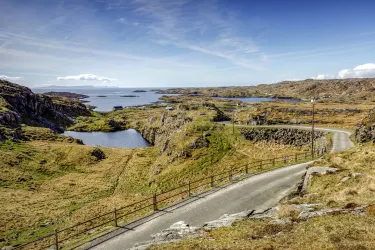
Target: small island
(67, 95)
(129, 96)
(139, 91)
(101, 96)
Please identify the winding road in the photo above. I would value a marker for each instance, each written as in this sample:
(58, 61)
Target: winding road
(256, 192)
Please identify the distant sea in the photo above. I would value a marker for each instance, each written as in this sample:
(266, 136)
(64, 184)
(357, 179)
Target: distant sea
(112, 96)
(105, 98)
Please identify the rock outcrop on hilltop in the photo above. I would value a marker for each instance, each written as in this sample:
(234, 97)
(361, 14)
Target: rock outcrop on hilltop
(365, 130)
(19, 105)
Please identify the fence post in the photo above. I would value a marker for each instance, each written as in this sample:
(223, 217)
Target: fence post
(261, 164)
(189, 188)
(285, 159)
(56, 240)
(230, 175)
(274, 161)
(212, 181)
(154, 202)
(247, 169)
(296, 157)
(115, 216)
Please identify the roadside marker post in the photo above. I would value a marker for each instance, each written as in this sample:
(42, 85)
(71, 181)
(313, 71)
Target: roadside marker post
(115, 216)
(56, 240)
(154, 201)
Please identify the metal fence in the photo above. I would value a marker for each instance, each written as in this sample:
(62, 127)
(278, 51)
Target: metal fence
(79, 234)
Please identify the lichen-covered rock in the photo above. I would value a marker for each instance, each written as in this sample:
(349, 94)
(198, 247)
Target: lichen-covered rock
(331, 211)
(227, 220)
(177, 231)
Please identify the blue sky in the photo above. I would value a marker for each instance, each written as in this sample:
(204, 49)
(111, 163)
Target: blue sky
(166, 43)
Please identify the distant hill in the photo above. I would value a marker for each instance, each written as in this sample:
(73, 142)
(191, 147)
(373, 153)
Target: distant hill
(353, 90)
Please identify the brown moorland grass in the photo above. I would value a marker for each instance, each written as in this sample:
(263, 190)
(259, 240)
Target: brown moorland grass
(60, 184)
(326, 114)
(326, 232)
(345, 231)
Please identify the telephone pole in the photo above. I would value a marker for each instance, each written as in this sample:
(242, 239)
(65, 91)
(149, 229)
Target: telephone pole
(312, 127)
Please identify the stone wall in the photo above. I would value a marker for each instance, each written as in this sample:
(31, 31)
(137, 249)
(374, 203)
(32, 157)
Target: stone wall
(288, 136)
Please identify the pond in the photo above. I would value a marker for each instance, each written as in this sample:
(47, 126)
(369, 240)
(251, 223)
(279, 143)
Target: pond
(121, 139)
(258, 99)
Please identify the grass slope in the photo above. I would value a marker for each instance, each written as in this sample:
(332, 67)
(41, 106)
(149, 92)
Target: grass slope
(343, 231)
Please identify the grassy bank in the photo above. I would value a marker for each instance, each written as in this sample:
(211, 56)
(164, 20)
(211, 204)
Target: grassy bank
(352, 186)
(51, 181)
(48, 184)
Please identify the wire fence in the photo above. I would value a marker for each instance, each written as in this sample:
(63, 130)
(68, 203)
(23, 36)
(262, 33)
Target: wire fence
(83, 232)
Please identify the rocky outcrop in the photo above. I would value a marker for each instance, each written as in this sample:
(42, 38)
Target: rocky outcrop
(321, 112)
(315, 171)
(259, 119)
(289, 136)
(98, 154)
(19, 105)
(180, 230)
(220, 115)
(365, 130)
(175, 232)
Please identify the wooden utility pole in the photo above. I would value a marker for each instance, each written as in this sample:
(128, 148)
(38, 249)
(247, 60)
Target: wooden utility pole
(312, 127)
(233, 120)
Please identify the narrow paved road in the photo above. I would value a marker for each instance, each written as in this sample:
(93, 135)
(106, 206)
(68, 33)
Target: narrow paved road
(257, 192)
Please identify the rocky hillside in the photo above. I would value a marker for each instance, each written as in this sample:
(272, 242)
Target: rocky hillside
(19, 105)
(334, 89)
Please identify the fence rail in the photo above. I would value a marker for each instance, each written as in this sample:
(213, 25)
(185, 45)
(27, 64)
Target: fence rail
(150, 205)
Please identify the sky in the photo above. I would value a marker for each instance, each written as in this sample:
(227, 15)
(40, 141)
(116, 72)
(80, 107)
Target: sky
(184, 43)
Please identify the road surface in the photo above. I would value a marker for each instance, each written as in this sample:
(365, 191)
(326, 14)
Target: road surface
(256, 192)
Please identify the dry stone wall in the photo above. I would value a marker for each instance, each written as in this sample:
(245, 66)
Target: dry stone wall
(288, 136)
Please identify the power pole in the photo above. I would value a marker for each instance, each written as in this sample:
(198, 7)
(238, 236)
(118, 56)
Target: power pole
(312, 127)
(233, 121)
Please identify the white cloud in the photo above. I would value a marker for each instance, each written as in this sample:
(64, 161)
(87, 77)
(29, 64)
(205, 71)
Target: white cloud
(86, 77)
(361, 71)
(318, 77)
(10, 78)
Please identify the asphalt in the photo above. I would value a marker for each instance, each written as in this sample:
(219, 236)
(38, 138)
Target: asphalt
(256, 192)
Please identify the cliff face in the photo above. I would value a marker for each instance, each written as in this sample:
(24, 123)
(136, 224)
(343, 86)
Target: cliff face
(19, 105)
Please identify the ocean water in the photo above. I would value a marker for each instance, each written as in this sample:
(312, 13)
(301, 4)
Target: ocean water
(105, 98)
(121, 139)
(112, 96)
